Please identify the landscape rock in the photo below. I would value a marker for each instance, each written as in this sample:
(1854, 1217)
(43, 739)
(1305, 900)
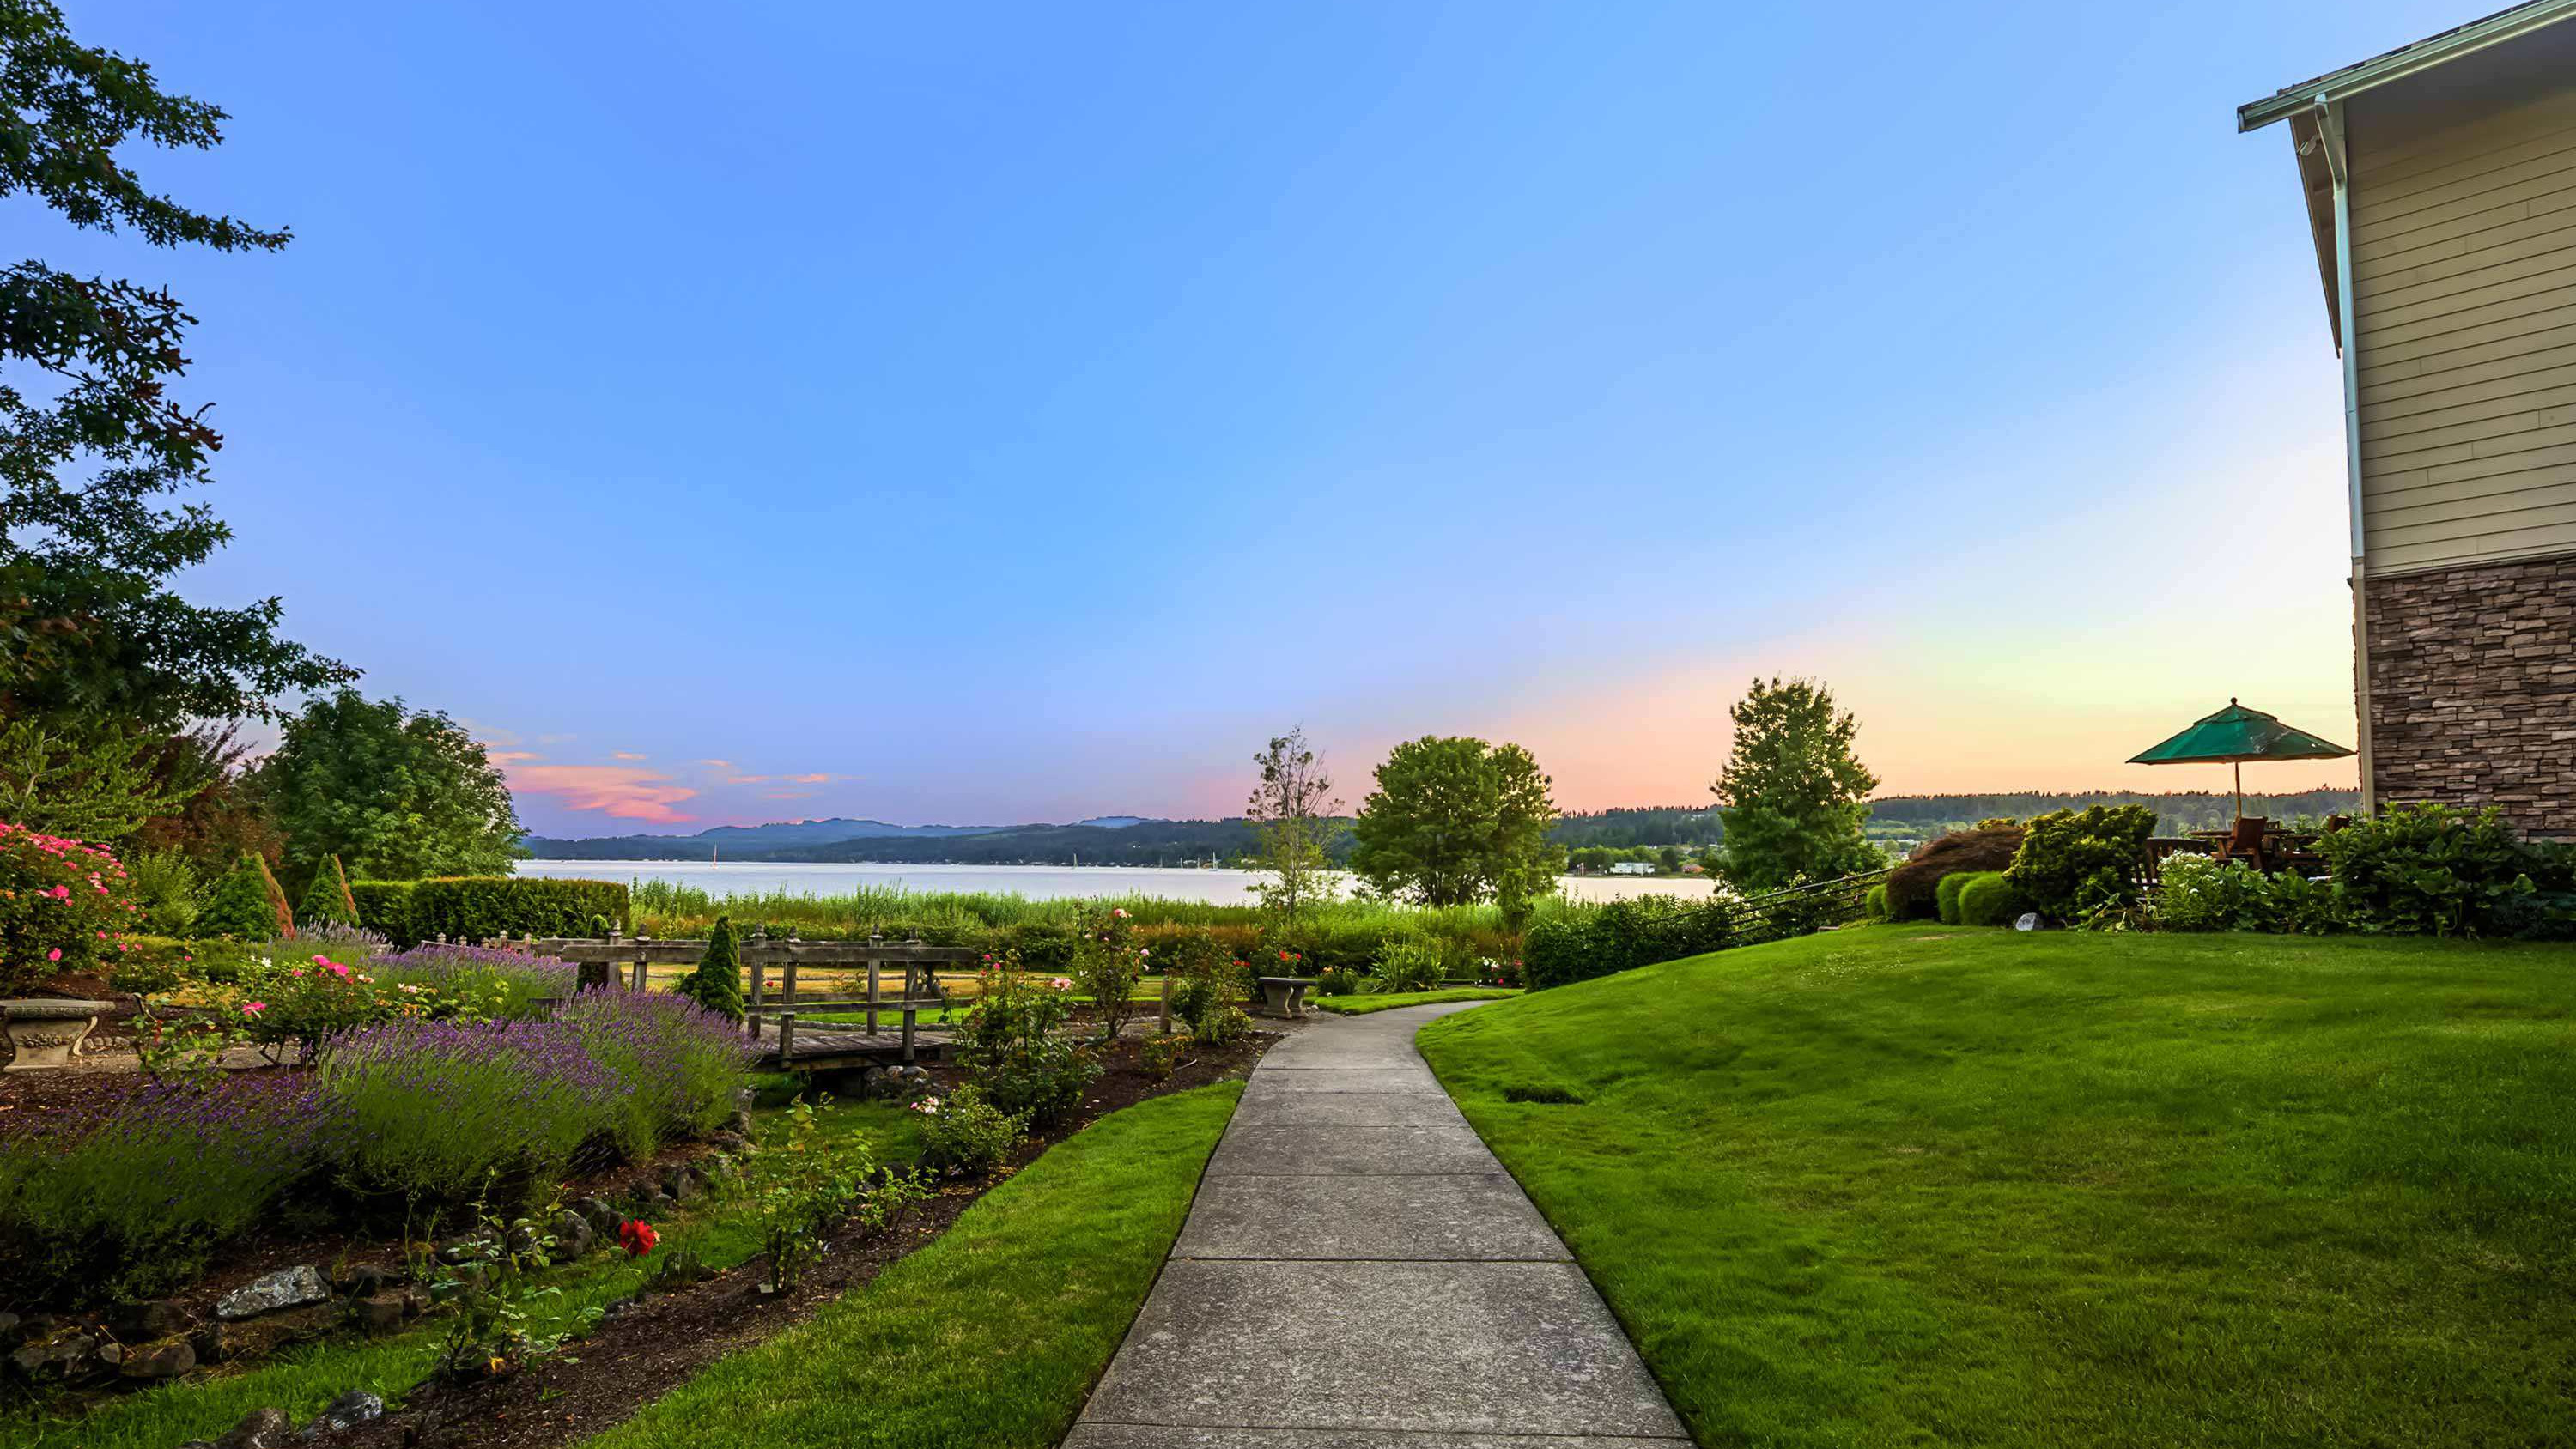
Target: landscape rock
(366, 1279)
(152, 1318)
(32, 1360)
(259, 1429)
(728, 1141)
(573, 1235)
(382, 1312)
(347, 1412)
(286, 1288)
(524, 1238)
(157, 1361)
(678, 1184)
(604, 1220)
(111, 1354)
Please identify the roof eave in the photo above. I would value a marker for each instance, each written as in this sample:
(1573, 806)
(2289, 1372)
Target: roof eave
(2398, 64)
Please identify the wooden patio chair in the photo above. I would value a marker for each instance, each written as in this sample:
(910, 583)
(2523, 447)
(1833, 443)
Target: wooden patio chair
(2245, 842)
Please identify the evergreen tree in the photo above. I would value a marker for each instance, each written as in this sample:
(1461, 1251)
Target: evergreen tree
(328, 898)
(238, 906)
(1793, 793)
(717, 982)
(281, 915)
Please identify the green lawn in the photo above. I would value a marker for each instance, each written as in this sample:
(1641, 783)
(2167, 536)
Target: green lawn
(303, 1380)
(1363, 1005)
(1916, 1185)
(994, 1334)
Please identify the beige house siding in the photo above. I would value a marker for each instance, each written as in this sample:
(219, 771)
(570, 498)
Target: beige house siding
(2464, 294)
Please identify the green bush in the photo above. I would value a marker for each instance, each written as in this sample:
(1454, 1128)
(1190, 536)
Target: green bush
(384, 907)
(165, 891)
(1986, 898)
(1013, 1047)
(2203, 893)
(716, 984)
(480, 908)
(2076, 864)
(1945, 895)
(2430, 870)
(1576, 945)
(966, 1135)
(238, 908)
(1206, 986)
(1913, 887)
(1407, 963)
(1874, 904)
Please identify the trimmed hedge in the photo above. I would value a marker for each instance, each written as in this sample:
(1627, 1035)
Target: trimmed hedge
(384, 907)
(1988, 899)
(1945, 895)
(1620, 936)
(479, 907)
(1875, 903)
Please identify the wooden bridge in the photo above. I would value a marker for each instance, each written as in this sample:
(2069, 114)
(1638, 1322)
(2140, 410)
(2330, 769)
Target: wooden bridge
(772, 1021)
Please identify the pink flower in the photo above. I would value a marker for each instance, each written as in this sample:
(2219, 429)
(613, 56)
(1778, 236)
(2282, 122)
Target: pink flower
(1120, 912)
(1061, 984)
(321, 960)
(62, 893)
(253, 1008)
(55, 954)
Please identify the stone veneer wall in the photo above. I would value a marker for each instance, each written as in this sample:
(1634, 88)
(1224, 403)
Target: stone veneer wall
(2473, 689)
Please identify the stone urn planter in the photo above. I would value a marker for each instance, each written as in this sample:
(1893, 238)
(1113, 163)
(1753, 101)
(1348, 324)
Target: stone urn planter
(45, 1031)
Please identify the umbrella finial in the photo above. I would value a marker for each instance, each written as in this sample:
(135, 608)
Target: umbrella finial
(2231, 701)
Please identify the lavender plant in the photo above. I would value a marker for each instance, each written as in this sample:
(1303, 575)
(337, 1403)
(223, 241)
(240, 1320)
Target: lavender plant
(428, 1111)
(131, 1207)
(680, 1063)
(499, 983)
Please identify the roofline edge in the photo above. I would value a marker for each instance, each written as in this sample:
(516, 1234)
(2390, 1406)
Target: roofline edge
(2352, 80)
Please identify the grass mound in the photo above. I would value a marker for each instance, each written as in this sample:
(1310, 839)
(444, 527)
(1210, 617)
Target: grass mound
(1906, 1186)
(1389, 1001)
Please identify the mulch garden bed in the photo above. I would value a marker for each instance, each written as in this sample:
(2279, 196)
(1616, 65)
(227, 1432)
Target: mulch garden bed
(647, 1346)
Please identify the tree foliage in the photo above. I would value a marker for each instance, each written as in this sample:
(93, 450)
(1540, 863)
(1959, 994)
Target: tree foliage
(100, 788)
(398, 795)
(1291, 814)
(1455, 820)
(90, 436)
(716, 983)
(1792, 795)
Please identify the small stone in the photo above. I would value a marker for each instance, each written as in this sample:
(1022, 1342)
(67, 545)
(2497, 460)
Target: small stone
(154, 1362)
(382, 1312)
(259, 1429)
(727, 1141)
(2029, 921)
(347, 1412)
(366, 1280)
(604, 1220)
(679, 1185)
(31, 1360)
(285, 1288)
(524, 1238)
(111, 1354)
(572, 1235)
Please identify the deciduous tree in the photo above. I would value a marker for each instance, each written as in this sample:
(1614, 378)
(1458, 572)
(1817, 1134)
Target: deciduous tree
(1291, 812)
(1793, 795)
(91, 438)
(398, 795)
(1455, 820)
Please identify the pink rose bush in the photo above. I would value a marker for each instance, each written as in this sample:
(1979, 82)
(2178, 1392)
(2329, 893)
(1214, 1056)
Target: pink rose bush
(64, 904)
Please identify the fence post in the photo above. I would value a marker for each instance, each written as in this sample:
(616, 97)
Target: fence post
(643, 979)
(875, 986)
(786, 1032)
(787, 999)
(596, 975)
(751, 1011)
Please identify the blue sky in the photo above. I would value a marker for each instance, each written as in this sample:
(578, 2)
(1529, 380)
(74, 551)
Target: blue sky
(976, 414)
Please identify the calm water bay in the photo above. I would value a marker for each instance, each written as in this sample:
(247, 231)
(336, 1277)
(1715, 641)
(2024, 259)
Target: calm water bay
(1037, 882)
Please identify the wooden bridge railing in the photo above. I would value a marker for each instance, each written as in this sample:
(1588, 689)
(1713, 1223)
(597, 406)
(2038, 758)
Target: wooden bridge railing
(598, 961)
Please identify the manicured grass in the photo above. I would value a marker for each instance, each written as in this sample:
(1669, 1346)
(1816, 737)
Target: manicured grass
(994, 1334)
(1911, 1185)
(303, 1380)
(1363, 1005)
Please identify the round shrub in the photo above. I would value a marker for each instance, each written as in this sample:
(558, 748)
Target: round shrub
(967, 1135)
(2075, 863)
(1987, 899)
(1945, 895)
(1912, 887)
(1875, 903)
(61, 904)
(238, 909)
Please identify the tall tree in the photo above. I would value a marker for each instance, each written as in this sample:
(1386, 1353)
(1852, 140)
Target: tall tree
(397, 795)
(1291, 812)
(90, 436)
(1454, 820)
(1793, 795)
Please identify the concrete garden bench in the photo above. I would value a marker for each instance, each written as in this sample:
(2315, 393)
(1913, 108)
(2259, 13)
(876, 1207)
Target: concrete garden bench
(1285, 995)
(45, 1031)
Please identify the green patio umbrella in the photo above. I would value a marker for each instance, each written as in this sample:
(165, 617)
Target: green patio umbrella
(2237, 734)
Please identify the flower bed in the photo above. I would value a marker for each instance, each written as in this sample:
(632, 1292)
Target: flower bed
(62, 905)
(397, 1122)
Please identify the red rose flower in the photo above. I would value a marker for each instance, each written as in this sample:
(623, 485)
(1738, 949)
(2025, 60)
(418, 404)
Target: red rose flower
(638, 1237)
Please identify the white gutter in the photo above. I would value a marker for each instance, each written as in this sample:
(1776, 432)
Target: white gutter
(2398, 64)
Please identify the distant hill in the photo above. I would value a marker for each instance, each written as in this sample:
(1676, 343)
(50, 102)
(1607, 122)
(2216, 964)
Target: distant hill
(1137, 840)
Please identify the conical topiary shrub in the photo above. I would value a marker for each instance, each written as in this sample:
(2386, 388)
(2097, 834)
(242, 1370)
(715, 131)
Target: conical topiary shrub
(280, 913)
(239, 906)
(717, 983)
(328, 899)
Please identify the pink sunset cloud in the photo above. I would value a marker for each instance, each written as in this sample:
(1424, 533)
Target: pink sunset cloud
(624, 755)
(511, 757)
(620, 791)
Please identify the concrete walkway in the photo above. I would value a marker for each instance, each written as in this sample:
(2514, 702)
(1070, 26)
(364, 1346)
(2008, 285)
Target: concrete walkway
(1358, 1271)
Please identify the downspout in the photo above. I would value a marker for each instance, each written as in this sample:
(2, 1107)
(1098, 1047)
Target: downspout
(2330, 136)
